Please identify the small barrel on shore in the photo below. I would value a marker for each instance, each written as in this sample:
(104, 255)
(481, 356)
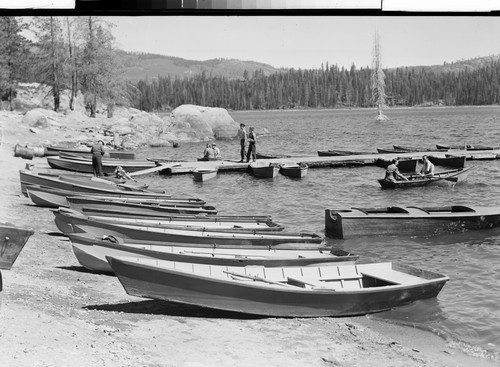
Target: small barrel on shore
(28, 152)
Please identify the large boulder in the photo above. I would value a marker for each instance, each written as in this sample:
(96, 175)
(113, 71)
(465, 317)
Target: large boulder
(200, 123)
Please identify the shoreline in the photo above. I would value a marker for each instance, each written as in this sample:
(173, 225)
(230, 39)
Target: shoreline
(54, 312)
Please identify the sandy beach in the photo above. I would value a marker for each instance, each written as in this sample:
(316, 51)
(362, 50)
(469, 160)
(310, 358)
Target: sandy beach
(55, 313)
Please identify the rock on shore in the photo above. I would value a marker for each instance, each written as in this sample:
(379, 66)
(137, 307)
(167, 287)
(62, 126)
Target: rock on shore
(129, 128)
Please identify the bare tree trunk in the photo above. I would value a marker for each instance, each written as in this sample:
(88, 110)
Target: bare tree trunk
(73, 70)
(55, 86)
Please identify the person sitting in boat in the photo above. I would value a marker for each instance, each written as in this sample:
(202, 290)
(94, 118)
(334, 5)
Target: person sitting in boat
(217, 153)
(427, 168)
(209, 151)
(392, 172)
(122, 174)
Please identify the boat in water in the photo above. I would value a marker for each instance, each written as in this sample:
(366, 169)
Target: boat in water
(409, 221)
(452, 176)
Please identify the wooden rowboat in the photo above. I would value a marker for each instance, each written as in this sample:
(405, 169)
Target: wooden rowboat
(464, 147)
(55, 198)
(66, 217)
(294, 170)
(264, 171)
(452, 176)
(451, 161)
(204, 174)
(12, 241)
(80, 203)
(336, 152)
(53, 150)
(85, 184)
(312, 291)
(409, 221)
(81, 223)
(411, 148)
(108, 166)
(91, 253)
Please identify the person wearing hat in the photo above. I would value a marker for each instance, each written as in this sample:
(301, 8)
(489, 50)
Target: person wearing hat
(242, 135)
(97, 151)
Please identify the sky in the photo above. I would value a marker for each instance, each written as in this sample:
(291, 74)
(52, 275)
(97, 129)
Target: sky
(308, 41)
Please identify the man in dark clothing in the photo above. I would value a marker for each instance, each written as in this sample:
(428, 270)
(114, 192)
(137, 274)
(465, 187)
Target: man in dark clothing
(242, 134)
(97, 151)
(252, 151)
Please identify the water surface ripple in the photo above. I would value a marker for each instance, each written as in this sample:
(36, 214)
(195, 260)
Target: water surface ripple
(466, 311)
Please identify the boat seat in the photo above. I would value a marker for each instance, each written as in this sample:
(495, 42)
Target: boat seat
(393, 276)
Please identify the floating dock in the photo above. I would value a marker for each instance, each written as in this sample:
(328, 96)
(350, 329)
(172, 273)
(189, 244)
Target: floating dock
(357, 160)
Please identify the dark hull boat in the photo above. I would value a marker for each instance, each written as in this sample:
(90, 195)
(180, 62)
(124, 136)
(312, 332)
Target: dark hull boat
(264, 171)
(336, 152)
(409, 221)
(456, 162)
(410, 148)
(404, 165)
(312, 291)
(294, 170)
(91, 253)
(12, 241)
(80, 224)
(452, 176)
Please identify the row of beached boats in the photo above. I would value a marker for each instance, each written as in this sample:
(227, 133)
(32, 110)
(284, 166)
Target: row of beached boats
(182, 250)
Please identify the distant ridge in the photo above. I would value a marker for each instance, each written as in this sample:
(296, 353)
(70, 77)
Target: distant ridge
(142, 66)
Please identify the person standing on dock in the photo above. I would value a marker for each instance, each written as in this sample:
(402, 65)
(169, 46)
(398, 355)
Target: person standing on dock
(392, 172)
(242, 135)
(252, 150)
(427, 168)
(97, 151)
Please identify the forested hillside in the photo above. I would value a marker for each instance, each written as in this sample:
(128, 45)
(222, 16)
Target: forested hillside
(328, 87)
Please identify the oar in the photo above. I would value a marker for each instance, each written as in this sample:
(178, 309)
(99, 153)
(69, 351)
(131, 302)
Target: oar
(257, 279)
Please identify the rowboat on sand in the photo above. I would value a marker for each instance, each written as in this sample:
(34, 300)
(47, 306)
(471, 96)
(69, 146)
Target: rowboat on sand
(91, 253)
(204, 174)
(108, 167)
(452, 176)
(311, 291)
(64, 219)
(54, 198)
(52, 150)
(264, 170)
(80, 203)
(298, 170)
(409, 221)
(12, 241)
(81, 223)
(82, 184)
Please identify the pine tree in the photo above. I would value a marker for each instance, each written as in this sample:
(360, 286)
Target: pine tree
(13, 56)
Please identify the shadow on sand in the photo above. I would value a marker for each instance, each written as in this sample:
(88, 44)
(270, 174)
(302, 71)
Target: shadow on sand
(159, 307)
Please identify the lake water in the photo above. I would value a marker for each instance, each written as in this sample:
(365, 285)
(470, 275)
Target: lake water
(466, 311)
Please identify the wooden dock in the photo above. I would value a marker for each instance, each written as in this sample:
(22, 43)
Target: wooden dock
(323, 162)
